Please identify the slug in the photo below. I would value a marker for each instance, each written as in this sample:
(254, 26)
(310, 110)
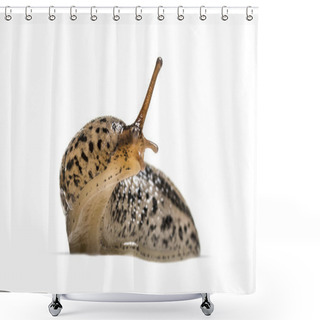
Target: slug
(114, 202)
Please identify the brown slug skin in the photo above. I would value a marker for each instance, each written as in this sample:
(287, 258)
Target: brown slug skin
(115, 203)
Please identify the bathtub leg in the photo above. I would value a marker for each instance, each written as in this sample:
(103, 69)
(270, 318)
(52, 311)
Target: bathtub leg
(55, 306)
(206, 305)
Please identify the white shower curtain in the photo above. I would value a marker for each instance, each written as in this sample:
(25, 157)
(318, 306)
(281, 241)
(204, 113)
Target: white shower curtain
(55, 76)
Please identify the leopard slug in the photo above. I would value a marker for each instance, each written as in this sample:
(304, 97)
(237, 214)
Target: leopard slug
(114, 202)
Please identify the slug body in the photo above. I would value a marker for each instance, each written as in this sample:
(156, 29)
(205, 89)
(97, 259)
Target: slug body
(114, 202)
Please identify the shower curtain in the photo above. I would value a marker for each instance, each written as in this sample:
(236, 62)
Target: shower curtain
(63, 67)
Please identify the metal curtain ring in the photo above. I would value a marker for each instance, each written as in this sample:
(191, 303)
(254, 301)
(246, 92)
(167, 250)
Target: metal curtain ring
(116, 17)
(249, 16)
(160, 16)
(224, 13)
(28, 16)
(180, 13)
(73, 15)
(203, 12)
(52, 10)
(138, 16)
(93, 17)
(7, 16)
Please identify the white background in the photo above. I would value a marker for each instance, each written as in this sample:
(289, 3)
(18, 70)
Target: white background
(288, 217)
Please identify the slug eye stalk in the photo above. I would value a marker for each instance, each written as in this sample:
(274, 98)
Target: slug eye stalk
(144, 109)
(137, 126)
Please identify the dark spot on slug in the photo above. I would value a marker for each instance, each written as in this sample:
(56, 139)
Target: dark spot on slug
(105, 130)
(70, 164)
(76, 180)
(154, 205)
(97, 168)
(165, 243)
(90, 174)
(180, 233)
(103, 120)
(173, 232)
(97, 130)
(84, 156)
(99, 144)
(108, 145)
(78, 165)
(91, 146)
(194, 237)
(155, 240)
(139, 194)
(82, 138)
(166, 223)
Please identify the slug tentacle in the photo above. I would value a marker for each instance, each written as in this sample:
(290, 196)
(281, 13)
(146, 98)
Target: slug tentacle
(143, 112)
(115, 203)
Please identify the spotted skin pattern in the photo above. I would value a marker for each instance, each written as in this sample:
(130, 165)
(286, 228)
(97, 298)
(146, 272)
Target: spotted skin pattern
(111, 208)
(114, 202)
(87, 155)
(147, 217)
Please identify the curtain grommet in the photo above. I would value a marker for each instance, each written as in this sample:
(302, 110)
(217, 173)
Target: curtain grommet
(203, 13)
(116, 17)
(27, 11)
(224, 13)
(249, 16)
(180, 13)
(160, 16)
(73, 11)
(93, 17)
(52, 10)
(138, 16)
(7, 15)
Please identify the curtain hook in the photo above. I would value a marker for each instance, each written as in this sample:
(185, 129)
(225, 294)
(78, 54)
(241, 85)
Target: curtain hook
(7, 16)
(28, 16)
(116, 17)
(249, 16)
(138, 16)
(224, 13)
(180, 14)
(52, 10)
(73, 15)
(160, 16)
(93, 17)
(203, 12)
